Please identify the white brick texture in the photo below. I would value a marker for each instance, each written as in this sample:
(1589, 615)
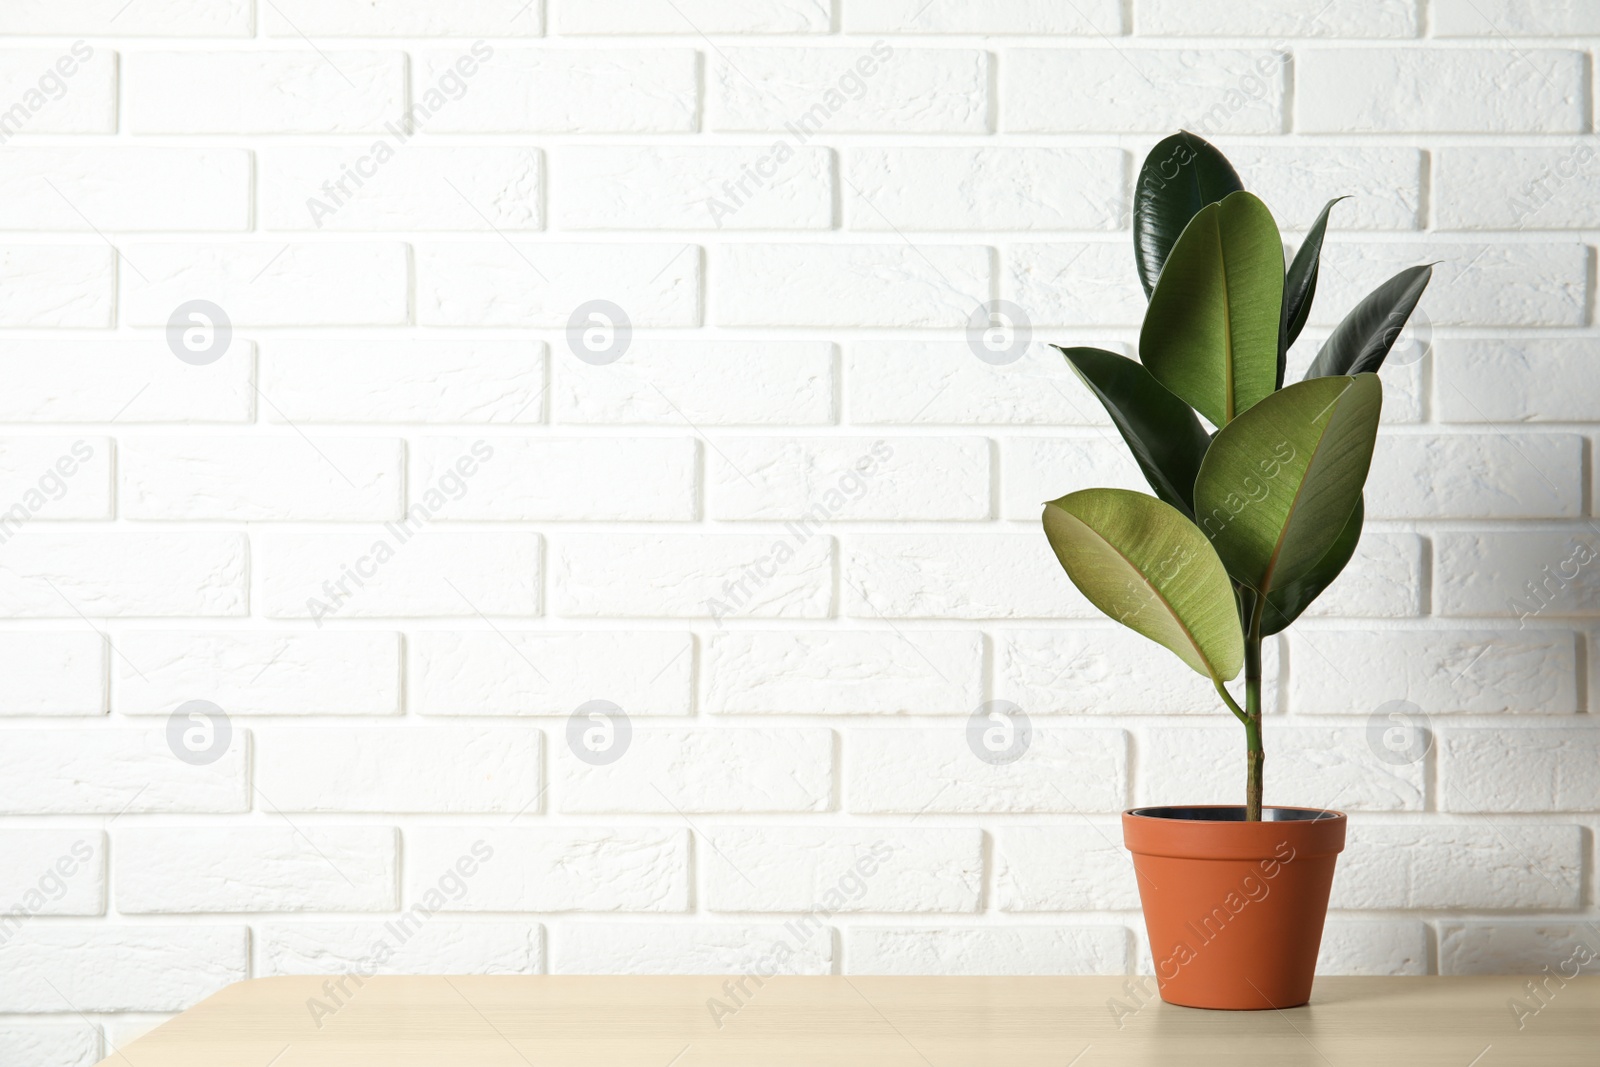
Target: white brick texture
(602, 533)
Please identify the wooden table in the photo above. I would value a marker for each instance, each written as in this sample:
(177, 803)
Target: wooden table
(848, 1021)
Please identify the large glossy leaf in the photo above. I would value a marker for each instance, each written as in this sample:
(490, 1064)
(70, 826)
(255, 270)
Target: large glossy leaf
(1359, 344)
(1300, 284)
(1285, 603)
(1181, 175)
(1162, 432)
(1145, 565)
(1210, 334)
(1278, 484)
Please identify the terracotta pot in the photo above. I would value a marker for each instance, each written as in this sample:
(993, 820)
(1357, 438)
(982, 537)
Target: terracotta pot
(1234, 909)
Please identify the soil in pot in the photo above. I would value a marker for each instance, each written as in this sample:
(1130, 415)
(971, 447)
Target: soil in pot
(1234, 909)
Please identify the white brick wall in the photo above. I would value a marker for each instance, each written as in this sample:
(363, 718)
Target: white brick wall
(408, 522)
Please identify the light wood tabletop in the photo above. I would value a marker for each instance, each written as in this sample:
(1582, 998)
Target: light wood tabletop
(556, 1021)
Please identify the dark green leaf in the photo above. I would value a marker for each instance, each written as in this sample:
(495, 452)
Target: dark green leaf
(1212, 328)
(1181, 175)
(1285, 603)
(1162, 432)
(1359, 344)
(1300, 285)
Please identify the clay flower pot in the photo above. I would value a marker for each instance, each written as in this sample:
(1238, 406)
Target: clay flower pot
(1234, 909)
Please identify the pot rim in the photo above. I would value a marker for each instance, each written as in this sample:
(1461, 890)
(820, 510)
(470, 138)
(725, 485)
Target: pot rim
(1165, 814)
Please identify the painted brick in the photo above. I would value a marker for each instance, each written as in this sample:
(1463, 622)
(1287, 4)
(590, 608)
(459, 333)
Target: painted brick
(830, 672)
(125, 188)
(1373, 948)
(403, 381)
(51, 1044)
(254, 479)
(985, 189)
(1276, 18)
(53, 673)
(1384, 184)
(57, 286)
(984, 16)
(758, 187)
(1525, 284)
(1307, 766)
(434, 947)
(759, 383)
(941, 772)
(977, 950)
(127, 381)
(437, 769)
(1528, 189)
(1110, 671)
(702, 770)
(507, 284)
(1063, 868)
(270, 284)
(680, 948)
(54, 478)
(1459, 865)
(1523, 380)
(63, 772)
(1076, 284)
(1490, 770)
(1506, 90)
(943, 382)
(119, 968)
(1383, 580)
(66, 575)
(856, 285)
(957, 576)
(463, 187)
(200, 869)
(312, 91)
(1475, 946)
(513, 672)
(1040, 469)
(163, 18)
(863, 89)
(1476, 476)
(524, 90)
(1063, 90)
(399, 18)
(413, 574)
(694, 16)
(848, 478)
(689, 576)
(1356, 672)
(59, 871)
(595, 868)
(1520, 575)
(258, 672)
(545, 478)
(65, 89)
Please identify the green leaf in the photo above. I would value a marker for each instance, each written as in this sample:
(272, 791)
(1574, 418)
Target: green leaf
(1145, 565)
(1181, 175)
(1210, 334)
(1162, 431)
(1278, 484)
(1359, 344)
(1300, 285)
(1285, 603)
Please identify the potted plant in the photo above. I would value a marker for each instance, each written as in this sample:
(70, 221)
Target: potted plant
(1257, 508)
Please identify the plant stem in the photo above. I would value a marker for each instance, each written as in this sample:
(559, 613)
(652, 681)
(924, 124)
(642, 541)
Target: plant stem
(1255, 756)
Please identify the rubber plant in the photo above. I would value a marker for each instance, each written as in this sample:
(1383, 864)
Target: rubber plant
(1252, 518)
